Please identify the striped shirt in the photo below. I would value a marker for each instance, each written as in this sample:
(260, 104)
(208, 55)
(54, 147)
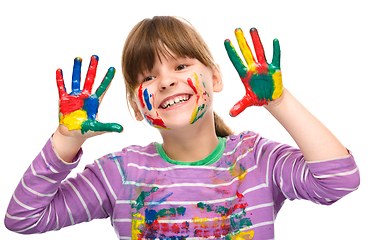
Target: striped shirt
(236, 192)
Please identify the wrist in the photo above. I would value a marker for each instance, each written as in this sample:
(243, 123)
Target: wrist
(277, 101)
(66, 147)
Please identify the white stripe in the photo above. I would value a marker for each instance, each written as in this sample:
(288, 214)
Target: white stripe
(143, 153)
(346, 189)
(259, 225)
(292, 179)
(120, 237)
(337, 174)
(32, 226)
(259, 206)
(182, 184)
(175, 167)
(48, 164)
(68, 209)
(94, 190)
(194, 202)
(57, 221)
(263, 185)
(269, 159)
(105, 178)
(281, 177)
(41, 176)
(122, 220)
(80, 199)
(22, 218)
(260, 150)
(118, 166)
(37, 193)
(22, 204)
(237, 145)
(170, 221)
(48, 217)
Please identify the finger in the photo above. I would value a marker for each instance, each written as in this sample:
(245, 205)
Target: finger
(239, 107)
(106, 82)
(244, 47)
(276, 54)
(91, 74)
(235, 59)
(96, 126)
(258, 47)
(60, 83)
(76, 77)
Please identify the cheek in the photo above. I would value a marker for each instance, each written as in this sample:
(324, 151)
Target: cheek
(202, 97)
(148, 109)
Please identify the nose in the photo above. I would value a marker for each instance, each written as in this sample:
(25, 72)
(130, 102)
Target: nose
(167, 82)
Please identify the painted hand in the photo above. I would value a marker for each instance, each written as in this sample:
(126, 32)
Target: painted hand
(262, 81)
(78, 110)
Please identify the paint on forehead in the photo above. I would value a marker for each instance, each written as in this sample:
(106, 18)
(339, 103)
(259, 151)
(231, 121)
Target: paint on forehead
(146, 97)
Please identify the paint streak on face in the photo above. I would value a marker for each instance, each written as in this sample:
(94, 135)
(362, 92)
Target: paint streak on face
(152, 117)
(200, 109)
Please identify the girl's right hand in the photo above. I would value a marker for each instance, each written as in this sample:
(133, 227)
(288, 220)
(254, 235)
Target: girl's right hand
(78, 109)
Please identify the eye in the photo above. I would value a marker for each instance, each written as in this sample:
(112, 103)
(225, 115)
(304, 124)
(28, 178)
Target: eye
(149, 78)
(181, 67)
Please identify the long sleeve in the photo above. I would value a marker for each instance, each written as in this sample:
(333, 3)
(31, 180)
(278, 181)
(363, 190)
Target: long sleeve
(42, 201)
(292, 177)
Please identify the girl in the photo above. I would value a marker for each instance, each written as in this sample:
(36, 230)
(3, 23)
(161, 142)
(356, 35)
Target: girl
(203, 181)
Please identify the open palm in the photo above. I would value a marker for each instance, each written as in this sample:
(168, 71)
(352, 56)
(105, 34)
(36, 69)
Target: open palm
(262, 81)
(78, 109)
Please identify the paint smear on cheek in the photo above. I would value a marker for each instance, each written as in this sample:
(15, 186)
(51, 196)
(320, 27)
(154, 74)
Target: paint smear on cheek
(190, 82)
(156, 122)
(146, 97)
(198, 111)
(140, 96)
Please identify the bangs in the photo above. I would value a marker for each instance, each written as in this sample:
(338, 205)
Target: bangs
(160, 36)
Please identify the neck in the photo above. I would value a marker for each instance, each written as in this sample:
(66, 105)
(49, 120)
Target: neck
(192, 143)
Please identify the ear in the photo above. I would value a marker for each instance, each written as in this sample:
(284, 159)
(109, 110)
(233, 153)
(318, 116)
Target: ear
(137, 112)
(217, 78)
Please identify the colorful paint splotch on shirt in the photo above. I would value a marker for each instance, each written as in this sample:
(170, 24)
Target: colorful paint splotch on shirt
(236, 196)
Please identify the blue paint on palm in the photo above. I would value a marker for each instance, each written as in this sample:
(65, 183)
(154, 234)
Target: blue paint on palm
(91, 106)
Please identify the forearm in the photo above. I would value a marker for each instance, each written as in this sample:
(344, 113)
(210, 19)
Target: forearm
(34, 206)
(313, 138)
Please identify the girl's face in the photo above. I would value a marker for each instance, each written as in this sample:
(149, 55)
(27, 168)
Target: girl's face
(176, 92)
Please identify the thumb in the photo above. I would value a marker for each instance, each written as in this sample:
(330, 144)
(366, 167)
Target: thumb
(96, 126)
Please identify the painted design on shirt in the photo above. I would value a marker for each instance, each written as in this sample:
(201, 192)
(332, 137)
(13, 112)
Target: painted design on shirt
(218, 221)
(200, 109)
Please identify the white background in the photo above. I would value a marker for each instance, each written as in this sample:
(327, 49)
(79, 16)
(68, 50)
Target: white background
(324, 64)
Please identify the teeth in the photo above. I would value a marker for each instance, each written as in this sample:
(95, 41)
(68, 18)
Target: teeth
(172, 102)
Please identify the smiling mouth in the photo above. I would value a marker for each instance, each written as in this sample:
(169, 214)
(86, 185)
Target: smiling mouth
(175, 101)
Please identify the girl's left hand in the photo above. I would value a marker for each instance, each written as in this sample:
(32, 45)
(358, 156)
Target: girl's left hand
(262, 81)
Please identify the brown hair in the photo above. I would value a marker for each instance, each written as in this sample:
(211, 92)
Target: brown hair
(155, 37)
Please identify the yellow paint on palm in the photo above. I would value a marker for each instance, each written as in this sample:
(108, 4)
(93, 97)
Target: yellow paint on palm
(277, 79)
(244, 48)
(74, 120)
